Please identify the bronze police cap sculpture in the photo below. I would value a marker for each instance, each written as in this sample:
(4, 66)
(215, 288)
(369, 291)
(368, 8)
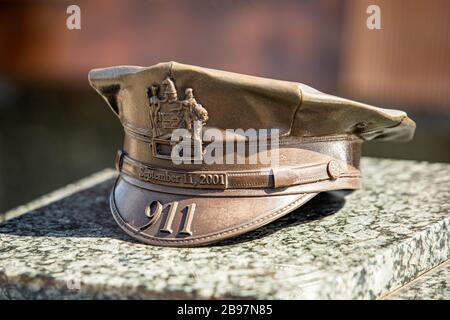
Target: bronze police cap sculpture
(190, 200)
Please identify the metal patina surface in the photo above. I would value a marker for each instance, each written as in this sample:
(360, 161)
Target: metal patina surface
(172, 196)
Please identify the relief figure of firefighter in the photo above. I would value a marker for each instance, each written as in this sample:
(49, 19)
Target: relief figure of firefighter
(155, 106)
(194, 117)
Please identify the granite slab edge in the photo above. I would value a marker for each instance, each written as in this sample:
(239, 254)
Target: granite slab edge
(58, 194)
(432, 285)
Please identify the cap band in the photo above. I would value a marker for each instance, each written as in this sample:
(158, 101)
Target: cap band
(264, 178)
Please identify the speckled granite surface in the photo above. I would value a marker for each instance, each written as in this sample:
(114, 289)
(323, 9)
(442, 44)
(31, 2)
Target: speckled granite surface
(60, 193)
(361, 246)
(432, 285)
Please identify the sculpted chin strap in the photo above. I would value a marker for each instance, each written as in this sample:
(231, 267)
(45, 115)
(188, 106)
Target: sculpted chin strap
(264, 178)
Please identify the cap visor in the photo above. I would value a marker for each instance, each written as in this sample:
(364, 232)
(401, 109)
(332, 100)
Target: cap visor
(183, 220)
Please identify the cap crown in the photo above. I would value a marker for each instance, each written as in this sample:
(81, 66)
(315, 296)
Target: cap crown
(240, 101)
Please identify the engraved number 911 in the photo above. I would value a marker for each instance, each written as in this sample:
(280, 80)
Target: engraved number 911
(154, 211)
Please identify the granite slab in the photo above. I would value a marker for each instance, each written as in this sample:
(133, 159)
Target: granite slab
(359, 246)
(432, 285)
(66, 191)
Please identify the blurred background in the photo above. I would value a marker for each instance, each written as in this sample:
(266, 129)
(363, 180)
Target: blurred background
(54, 129)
